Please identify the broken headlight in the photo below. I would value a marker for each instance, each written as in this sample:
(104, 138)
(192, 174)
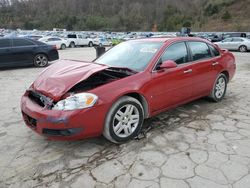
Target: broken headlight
(76, 101)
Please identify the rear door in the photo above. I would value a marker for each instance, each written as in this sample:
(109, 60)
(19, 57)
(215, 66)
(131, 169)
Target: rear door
(171, 87)
(23, 51)
(204, 65)
(5, 53)
(81, 40)
(237, 43)
(55, 41)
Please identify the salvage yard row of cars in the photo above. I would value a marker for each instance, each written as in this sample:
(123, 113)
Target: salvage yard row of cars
(65, 39)
(38, 50)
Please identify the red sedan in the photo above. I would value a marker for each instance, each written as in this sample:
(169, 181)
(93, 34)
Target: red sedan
(133, 81)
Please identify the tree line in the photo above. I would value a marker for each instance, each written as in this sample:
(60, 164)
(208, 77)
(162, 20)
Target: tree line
(109, 15)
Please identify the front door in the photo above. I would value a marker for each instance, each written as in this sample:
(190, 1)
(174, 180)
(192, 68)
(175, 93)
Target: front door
(5, 53)
(171, 87)
(22, 51)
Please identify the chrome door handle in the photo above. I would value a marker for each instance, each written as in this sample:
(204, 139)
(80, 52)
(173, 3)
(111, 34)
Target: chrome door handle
(188, 71)
(215, 63)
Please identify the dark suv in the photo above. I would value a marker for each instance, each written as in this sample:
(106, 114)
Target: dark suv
(23, 52)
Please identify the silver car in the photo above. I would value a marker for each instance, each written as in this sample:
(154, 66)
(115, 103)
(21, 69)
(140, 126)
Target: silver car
(235, 43)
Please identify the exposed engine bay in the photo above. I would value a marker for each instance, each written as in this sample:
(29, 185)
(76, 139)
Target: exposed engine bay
(100, 78)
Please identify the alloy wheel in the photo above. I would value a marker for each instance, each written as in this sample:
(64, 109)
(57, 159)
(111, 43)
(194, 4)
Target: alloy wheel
(220, 87)
(243, 49)
(41, 60)
(126, 121)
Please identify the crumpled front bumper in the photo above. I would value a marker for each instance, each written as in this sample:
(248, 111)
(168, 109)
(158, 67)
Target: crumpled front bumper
(63, 125)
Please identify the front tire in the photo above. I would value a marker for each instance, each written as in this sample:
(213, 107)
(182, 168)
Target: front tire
(124, 120)
(220, 88)
(243, 48)
(63, 46)
(72, 45)
(41, 60)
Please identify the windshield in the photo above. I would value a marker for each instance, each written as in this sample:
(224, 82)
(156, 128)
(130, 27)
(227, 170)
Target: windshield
(133, 55)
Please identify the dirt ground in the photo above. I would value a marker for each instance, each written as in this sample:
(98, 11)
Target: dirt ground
(200, 144)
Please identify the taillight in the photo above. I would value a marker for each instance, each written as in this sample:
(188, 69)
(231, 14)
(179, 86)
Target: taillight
(54, 47)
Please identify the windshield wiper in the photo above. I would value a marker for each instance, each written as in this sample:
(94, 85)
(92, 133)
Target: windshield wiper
(125, 70)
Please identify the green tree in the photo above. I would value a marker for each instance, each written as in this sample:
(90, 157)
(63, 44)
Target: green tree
(226, 16)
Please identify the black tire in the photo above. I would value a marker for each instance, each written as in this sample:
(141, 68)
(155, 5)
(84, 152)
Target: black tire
(120, 105)
(72, 45)
(40, 60)
(90, 44)
(63, 46)
(243, 48)
(100, 45)
(218, 92)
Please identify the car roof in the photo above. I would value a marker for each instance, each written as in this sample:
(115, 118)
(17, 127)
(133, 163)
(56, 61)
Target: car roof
(236, 38)
(171, 39)
(10, 38)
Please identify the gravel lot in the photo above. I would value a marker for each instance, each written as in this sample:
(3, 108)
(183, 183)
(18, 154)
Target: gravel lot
(198, 145)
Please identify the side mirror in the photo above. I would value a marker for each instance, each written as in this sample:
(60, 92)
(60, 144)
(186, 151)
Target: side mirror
(168, 64)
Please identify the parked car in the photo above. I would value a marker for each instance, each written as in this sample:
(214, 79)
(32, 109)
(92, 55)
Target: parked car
(116, 41)
(35, 37)
(235, 34)
(22, 52)
(235, 43)
(132, 81)
(60, 43)
(101, 41)
(215, 37)
(79, 40)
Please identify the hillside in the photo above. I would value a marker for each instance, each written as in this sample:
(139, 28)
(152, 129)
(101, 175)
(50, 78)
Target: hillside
(126, 15)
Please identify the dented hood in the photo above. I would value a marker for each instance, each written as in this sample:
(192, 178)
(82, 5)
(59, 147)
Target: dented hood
(60, 77)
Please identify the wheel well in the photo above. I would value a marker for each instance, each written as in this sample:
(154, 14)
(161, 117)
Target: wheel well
(226, 74)
(243, 45)
(142, 100)
(42, 54)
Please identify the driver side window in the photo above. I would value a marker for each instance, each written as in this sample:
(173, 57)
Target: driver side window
(176, 52)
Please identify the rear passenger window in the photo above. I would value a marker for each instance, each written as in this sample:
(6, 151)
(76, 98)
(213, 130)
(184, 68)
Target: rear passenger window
(237, 40)
(4, 43)
(22, 42)
(176, 52)
(214, 50)
(199, 50)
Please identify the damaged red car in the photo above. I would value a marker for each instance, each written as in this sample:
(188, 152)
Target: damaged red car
(132, 81)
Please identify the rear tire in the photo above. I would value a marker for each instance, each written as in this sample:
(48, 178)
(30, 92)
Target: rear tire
(124, 120)
(72, 45)
(41, 60)
(243, 48)
(219, 89)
